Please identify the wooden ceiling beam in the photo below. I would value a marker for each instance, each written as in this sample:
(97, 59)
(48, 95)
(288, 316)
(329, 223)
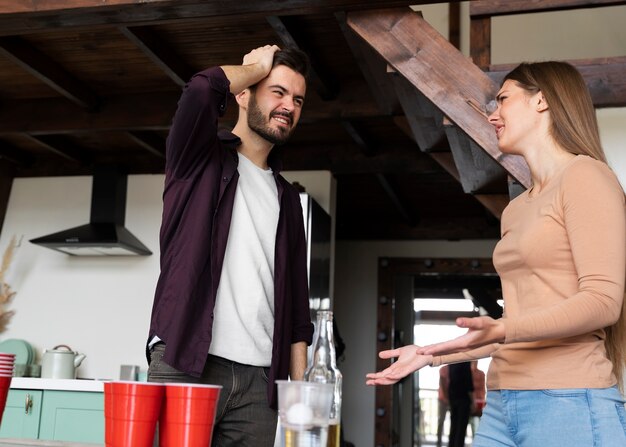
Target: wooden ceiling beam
(445, 76)
(368, 147)
(149, 141)
(344, 160)
(504, 7)
(58, 145)
(38, 15)
(604, 78)
(326, 85)
(159, 52)
(44, 68)
(154, 111)
(15, 156)
(398, 202)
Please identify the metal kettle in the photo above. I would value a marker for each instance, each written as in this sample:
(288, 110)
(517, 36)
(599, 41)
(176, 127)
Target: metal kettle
(60, 363)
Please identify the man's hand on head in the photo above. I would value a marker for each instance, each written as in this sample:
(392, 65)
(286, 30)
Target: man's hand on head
(263, 56)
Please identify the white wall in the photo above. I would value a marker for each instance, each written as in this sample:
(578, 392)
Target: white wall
(99, 306)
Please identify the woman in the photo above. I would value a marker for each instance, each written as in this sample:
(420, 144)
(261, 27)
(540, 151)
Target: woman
(559, 351)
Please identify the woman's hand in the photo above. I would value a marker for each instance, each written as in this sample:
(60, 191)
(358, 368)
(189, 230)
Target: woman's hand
(408, 362)
(481, 331)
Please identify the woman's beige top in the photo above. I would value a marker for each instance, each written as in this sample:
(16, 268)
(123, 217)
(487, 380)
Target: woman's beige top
(562, 263)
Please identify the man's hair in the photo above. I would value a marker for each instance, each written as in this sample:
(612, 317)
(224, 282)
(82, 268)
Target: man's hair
(293, 58)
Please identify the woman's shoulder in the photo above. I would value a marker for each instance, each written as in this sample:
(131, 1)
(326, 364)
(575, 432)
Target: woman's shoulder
(590, 174)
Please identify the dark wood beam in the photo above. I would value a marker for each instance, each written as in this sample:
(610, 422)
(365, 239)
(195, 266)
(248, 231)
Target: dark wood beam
(44, 68)
(503, 7)
(344, 160)
(454, 25)
(159, 52)
(154, 111)
(58, 145)
(604, 77)
(426, 229)
(391, 190)
(38, 15)
(7, 173)
(15, 156)
(359, 135)
(150, 141)
(322, 82)
(373, 68)
(438, 70)
(480, 41)
(369, 147)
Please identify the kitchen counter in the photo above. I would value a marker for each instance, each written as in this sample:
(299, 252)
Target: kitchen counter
(38, 443)
(33, 383)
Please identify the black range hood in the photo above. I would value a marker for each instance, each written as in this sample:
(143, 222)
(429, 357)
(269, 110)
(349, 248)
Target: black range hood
(105, 234)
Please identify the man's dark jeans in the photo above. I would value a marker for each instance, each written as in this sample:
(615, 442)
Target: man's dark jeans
(243, 416)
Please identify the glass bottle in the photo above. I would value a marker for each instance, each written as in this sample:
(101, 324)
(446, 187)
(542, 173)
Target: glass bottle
(323, 369)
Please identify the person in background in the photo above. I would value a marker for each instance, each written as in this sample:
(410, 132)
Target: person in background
(559, 351)
(478, 396)
(460, 391)
(231, 305)
(443, 403)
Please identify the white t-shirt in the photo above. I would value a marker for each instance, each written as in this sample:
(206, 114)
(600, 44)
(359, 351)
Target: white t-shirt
(243, 325)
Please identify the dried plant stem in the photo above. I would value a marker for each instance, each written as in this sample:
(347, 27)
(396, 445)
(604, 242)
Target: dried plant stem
(6, 295)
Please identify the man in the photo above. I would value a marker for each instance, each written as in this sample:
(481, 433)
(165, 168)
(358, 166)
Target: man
(460, 390)
(231, 303)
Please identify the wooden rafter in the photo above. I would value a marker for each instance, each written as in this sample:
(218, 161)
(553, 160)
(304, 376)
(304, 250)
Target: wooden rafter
(58, 145)
(368, 146)
(159, 52)
(438, 70)
(48, 71)
(322, 82)
(503, 7)
(154, 111)
(44, 14)
(149, 141)
(14, 156)
(343, 160)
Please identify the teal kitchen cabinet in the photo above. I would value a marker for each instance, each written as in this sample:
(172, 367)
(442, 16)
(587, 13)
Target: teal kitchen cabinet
(21, 414)
(75, 416)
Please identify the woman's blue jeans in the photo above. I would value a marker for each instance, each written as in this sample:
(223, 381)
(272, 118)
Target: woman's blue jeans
(553, 418)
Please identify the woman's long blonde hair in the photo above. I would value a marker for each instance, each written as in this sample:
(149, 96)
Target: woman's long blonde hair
(575, 128)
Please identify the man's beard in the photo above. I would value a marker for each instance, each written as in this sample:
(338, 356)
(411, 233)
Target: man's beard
(258, 123)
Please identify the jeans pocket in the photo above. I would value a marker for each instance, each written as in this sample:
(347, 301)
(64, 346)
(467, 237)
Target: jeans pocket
(566, 392)
(265, 374)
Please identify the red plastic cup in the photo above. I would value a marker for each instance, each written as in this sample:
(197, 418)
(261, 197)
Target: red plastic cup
(5, 383)
(131, 412)
(188, 416)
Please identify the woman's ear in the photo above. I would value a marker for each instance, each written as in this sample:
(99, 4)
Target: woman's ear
(542, 104)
